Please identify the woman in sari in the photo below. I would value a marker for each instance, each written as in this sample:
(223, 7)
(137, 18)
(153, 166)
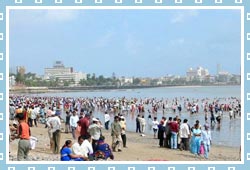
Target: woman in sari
(196, 140)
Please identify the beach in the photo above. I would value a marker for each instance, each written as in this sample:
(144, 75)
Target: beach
(226, 140)
(139, 149)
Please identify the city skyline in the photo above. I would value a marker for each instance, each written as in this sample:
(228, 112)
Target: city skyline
(15, 70)
(140, 43)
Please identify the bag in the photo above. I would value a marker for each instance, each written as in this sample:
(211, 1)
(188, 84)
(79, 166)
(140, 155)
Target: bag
(100, 155)
(202, 149)
(33, 141)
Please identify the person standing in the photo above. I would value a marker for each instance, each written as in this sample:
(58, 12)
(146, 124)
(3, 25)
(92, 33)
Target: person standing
(231, 113)
(116, 134)
(55, 124)
(168, 132)
(206, 139)
(84, 124)
(95, 131)
(67, 122)
(73, 123)
(174, 127)
(161, 131)
(29, 111)
(143, 125)
(106, 120)
(155, 124)
(138, 125)
(33, 116)
(123, 132)
(184, 135)
(196, 140)
(23, 133)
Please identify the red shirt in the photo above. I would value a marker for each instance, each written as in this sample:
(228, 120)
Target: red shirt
(84, 123)
(174, 127)
(24, 131)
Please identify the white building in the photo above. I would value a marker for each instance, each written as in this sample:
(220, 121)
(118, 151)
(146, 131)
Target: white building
(62, 73)
(12, 81)
(57, 69)
(125, 80)
(199, 73)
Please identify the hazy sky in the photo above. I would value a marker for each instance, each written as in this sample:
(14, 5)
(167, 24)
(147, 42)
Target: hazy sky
(138, 43)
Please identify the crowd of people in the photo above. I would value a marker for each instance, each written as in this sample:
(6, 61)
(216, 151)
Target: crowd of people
(175, 134)
(84, 127)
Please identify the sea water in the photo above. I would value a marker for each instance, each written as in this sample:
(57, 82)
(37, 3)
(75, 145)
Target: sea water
(227, 134)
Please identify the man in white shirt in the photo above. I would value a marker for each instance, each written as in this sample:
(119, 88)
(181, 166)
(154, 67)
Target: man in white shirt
(95, 132)
(76, 147)
(106, 120)
(73, 123)
(143, 125)
(184, 135)
(34, 114)
(55, 124)
(86, 146)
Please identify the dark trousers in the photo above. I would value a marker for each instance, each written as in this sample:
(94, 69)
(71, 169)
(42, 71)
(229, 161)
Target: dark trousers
(30, 123)
(56, 140)
(34, 121)
(168, 140)
(184, 144)
(138, 128)
(73, 129)
(94, 144)
(107, 125)
(124, 140)
(161, 137)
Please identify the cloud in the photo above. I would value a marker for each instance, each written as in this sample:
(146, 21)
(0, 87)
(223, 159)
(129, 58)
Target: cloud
(183, 16)
(61, 15)
(105, 39)
(36, 17)
(177, 42)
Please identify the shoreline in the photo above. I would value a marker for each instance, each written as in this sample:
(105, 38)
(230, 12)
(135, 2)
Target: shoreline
(41, 90)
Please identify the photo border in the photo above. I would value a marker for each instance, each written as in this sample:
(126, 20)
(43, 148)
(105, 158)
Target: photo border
(244, 5)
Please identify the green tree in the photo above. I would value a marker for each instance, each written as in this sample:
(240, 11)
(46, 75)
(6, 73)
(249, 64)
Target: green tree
(20, 78)
(66, 83)
(136, 81)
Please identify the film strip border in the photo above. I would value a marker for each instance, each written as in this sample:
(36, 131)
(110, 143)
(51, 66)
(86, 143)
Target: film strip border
(125, 2)
(123, 167)
(3, 79)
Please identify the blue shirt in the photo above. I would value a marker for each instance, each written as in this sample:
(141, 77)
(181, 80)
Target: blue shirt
(65, 154)
(104, 147)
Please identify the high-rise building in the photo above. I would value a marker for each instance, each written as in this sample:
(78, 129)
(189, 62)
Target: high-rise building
(218, 69)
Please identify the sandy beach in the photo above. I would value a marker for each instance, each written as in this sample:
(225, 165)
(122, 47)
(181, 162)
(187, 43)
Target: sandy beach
(139, 149)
